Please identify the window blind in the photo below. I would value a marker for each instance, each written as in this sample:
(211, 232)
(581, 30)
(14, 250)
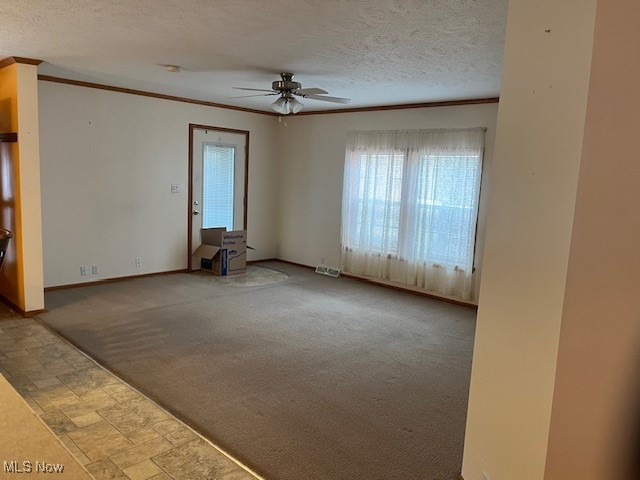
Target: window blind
(217, 186)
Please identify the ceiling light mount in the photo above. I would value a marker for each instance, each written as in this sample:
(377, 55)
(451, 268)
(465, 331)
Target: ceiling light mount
(173, 68)
(286, 84)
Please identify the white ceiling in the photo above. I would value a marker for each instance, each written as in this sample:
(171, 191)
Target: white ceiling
(376, 52)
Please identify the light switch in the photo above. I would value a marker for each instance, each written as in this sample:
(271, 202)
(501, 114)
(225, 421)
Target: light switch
(175, 188)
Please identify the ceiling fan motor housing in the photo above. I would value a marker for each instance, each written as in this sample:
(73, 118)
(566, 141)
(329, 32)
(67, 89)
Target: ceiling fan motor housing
(286, 84)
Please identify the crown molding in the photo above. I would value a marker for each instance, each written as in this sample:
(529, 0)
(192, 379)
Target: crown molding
(405, 106)
(11, 60)
(143, 93)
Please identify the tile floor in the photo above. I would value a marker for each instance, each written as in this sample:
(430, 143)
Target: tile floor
(114, 431)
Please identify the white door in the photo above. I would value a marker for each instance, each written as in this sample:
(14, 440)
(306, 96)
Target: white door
(218, 194)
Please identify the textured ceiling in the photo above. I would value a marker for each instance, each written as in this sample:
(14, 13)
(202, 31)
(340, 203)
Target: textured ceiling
(376, 52)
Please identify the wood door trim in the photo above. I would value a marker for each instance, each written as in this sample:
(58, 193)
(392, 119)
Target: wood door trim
(195, 126)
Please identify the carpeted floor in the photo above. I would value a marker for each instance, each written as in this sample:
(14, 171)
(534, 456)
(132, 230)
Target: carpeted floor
(299, 376)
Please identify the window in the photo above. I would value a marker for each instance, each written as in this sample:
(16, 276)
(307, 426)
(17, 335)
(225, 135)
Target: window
(217, 191)
(410, 207)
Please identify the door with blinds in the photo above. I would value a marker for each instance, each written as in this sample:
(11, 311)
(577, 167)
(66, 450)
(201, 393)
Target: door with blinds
(218, 196)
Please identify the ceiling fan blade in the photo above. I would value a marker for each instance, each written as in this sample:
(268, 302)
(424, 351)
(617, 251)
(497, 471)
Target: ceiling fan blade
(259, 95)
(310, 91)
(253, 89)
(324, 98)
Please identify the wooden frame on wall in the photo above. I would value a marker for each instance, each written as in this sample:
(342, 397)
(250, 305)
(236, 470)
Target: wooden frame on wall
(192, 127)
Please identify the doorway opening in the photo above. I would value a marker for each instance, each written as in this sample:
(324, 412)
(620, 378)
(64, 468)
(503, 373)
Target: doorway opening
(218, 182)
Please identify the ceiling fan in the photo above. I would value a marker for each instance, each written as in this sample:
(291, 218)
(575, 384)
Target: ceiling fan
(287, 89)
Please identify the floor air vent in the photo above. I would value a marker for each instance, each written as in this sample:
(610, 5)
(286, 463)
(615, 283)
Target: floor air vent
(329, 271)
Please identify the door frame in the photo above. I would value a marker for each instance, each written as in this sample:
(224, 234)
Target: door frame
(195, 126)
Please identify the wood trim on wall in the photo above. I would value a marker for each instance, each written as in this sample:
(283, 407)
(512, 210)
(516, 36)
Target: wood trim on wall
(262, 260)
(11, 137)
(5, 62)
(252, 262)
(112, 280)
(246, 133)
(190, 200)
(448, 103)
(111, 88)
(295, 264)
(399, 288)
(142, 93)
(22, 312)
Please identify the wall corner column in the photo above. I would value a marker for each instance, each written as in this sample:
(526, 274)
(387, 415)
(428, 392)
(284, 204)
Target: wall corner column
(535, 171)
(21, 279)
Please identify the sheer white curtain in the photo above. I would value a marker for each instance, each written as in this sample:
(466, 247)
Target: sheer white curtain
(410, 207)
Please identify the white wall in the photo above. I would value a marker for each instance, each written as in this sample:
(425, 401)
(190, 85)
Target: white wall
(541, 120)
(107, 162)
(312, 150)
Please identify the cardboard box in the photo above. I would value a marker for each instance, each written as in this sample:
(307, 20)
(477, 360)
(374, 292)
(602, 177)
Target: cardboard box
(222, 253)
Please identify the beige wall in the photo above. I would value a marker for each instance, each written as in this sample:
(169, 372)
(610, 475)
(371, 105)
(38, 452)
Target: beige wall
(595, 422)
(311, 166)
(108, 162)
(29, 178)
(529, 227)
(106, 196)
(21, 279)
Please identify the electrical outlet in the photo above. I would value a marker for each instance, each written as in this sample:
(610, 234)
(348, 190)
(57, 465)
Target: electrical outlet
(83, 271)
(175, 188)
(94, 269)
(138, 262)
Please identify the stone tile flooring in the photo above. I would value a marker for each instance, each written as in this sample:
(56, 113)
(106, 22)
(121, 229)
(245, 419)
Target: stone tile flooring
(114, 431)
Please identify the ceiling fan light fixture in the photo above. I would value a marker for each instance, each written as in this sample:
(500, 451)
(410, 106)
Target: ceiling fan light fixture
(295, 106)
(281, 106)
(286, 105)
(287, 89)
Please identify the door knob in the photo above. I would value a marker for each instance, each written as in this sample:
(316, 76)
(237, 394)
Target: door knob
(196, 212)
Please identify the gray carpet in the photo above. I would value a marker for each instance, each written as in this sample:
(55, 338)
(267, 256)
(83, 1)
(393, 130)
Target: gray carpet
(307, 377)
